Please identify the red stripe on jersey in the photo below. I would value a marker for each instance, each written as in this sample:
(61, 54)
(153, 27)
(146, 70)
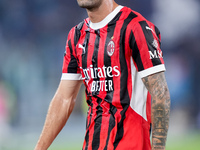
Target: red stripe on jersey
(105, 105)
(142, 46)
(113, 124)
(91, 129)
(127, 55)
(124, 95)
(88, 122)
(72, 43)
(116, 81)
(102, 43)
(79, 50)
(71, 52)
(105, 125)
(67, 58)
(91, 47)
(89, 53)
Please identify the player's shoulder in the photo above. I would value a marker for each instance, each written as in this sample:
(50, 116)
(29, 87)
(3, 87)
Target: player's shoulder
(138, 20)
(80, 27)
(137, 17)
(76, 27)
(83, 25)
(77, 31)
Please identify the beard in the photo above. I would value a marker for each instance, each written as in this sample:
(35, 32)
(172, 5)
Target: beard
(89, 4)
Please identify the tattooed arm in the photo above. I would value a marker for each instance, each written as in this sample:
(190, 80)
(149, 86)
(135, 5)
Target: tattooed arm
(157, 86)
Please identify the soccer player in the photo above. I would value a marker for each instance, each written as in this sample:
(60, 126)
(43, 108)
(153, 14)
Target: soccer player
(116, 53)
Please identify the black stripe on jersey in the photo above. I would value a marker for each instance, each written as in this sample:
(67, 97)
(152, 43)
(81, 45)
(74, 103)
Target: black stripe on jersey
(112, 112)
(95, 58)
(78, 32)
(73, 62)
(150, 129)
(89, 101)
(123, 65)
(97, 126)
(107, 59)
(157, 33)
(85, 51)
(150, 39)
(98, 119)
(84, 65)
(115, 19)
(124, 96)
(135, 52)
(107, 62)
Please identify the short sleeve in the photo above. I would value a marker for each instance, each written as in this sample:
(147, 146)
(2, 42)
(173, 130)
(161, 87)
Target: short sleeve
(70, 70)
(145, 44)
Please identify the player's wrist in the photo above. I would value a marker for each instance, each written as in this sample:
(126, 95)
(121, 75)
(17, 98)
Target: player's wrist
(40, 147)
(157, 147)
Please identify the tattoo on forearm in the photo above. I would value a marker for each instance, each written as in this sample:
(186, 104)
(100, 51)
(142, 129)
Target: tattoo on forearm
(157, 86)
(159, 126)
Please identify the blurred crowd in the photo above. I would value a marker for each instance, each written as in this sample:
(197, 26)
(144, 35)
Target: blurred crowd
(32, 43)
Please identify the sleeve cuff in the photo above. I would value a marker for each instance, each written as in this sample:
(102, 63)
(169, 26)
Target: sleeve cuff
(152, 70)
(71, 76)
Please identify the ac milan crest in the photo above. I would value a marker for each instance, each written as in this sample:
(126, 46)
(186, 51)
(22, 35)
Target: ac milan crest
(111, 48)
(155, 43)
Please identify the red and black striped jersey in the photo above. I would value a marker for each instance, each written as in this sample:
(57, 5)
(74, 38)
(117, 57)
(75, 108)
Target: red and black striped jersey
(111, 57)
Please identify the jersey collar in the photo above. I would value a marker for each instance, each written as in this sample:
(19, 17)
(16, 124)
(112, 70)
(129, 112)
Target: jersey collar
(106, 20)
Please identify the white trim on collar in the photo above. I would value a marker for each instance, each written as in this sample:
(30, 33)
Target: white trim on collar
(107, 19)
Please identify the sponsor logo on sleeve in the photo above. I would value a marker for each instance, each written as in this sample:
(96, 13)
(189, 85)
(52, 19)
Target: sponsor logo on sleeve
(155, 43)
(155, 54)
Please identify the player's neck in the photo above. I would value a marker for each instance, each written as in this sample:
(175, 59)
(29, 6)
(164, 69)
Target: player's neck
(98, 14)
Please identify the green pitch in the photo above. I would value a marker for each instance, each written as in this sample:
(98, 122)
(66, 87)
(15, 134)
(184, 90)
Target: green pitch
(189, 142)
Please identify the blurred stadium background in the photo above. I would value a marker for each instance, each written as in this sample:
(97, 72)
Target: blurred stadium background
(32, 43)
